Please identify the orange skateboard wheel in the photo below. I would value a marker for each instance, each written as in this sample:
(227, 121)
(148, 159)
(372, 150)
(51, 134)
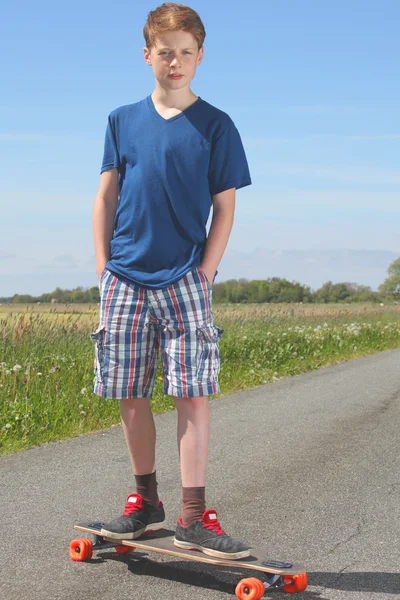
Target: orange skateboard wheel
(124, 549)
(250, 589)
(81, 549)
(295, 583)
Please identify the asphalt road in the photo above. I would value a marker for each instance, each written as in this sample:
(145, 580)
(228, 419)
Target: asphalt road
(307, 467)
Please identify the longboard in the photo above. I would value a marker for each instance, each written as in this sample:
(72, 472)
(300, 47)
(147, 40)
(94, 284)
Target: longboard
(292, 577)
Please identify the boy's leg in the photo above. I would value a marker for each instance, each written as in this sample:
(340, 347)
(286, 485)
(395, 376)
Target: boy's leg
(143, 510)
(198, 528)
(193, 436)
(140, 433)
(140, 436)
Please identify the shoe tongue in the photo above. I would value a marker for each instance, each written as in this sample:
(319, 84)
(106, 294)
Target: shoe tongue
(209, 517)
(135, 499)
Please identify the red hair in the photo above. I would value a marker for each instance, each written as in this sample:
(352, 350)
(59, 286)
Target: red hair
(173, 17)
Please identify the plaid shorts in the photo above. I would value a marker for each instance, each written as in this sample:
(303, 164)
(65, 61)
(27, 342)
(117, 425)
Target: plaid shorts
(135, 322)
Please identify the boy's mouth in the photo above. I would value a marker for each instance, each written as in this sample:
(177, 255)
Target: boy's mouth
(173, 76)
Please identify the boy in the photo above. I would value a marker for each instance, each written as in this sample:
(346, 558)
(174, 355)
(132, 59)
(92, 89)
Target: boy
(168, 157)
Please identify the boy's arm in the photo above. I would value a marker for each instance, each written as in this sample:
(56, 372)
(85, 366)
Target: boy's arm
(220, 229)
(105, 206)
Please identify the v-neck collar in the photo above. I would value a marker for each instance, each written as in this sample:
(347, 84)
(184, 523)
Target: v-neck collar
(157, 115)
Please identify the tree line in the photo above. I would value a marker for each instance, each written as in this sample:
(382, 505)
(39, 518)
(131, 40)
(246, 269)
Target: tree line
(273, 290)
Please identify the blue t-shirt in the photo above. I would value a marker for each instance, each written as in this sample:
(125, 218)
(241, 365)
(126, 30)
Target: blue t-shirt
(168, 171)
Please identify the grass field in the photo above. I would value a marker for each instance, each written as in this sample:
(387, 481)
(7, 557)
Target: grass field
(46, 359)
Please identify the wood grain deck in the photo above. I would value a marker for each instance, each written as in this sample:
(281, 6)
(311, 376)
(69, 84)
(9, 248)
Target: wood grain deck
(162, 541)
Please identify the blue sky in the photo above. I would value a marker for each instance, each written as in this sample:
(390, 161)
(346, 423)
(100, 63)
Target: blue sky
(312, 86)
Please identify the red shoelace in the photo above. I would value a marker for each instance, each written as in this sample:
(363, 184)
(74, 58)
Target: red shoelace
(131, 507)
(215, 526)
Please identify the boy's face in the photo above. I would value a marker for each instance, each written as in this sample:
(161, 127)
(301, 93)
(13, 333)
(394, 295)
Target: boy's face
(175, 52)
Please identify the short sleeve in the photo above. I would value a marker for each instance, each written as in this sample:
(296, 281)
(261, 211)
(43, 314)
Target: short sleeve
(110, 155)
(228, 163)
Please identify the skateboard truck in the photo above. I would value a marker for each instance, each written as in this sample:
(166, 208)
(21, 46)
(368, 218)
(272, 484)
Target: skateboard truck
(254, 589)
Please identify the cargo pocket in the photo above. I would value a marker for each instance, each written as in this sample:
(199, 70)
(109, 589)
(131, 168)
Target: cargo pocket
(98, 338)
(207, 355)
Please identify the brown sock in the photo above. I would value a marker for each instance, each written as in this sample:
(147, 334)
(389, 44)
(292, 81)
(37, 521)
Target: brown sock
(146, 486)
(193, 504)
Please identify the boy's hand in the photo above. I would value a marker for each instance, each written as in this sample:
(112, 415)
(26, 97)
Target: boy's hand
(210, 276)
(99, 271)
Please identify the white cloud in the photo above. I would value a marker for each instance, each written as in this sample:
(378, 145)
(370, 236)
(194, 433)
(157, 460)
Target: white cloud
(346, 199)
(35, 203)
(257, 142)
(371, 137)
(6, 255)
(352, 174)
(317, 108)
(23, 137)
(30, 136)
(363, 175)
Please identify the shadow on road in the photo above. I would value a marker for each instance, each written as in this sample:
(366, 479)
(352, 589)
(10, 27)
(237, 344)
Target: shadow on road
(225, 579)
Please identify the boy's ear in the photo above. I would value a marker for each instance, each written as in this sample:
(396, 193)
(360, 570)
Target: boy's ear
(147, 56)
(200, 56)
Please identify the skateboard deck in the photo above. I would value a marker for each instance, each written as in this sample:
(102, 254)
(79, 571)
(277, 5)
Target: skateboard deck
(291, 577)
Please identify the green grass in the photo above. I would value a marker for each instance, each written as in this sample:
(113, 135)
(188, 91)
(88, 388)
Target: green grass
(46, 365)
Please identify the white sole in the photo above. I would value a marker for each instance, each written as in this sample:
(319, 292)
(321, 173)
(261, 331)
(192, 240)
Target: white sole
(121, 536)
(209, 552)
(154, 527)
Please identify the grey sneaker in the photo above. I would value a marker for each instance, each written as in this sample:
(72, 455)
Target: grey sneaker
(138, 517)
(208, 537)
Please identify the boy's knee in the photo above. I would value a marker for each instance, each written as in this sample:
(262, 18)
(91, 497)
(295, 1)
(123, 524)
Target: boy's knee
(191, 403)
(127, 404)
